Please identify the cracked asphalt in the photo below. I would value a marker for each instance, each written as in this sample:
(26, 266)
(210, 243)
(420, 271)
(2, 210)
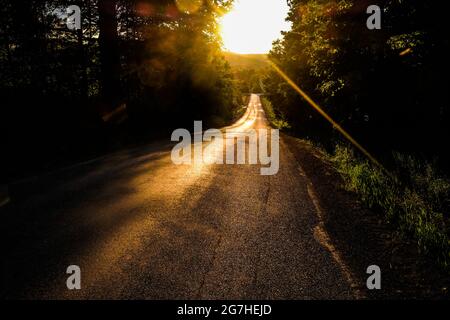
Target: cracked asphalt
(141, 227)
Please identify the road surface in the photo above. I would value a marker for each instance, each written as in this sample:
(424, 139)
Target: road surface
(140, 227)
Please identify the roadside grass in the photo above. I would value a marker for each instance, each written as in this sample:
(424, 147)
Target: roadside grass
(416, 201)
(276, 121)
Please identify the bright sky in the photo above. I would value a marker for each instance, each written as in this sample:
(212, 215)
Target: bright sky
(252, 25)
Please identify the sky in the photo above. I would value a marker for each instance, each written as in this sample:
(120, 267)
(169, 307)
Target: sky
(252, 25)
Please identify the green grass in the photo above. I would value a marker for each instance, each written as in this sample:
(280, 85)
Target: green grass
(416, 201)
(276, 121)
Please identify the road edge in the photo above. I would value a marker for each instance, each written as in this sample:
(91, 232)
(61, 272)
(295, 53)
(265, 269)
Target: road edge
(363, 238)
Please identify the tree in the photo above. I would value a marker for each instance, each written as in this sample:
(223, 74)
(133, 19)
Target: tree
(109, 53)
(370, 81)
(153, 63)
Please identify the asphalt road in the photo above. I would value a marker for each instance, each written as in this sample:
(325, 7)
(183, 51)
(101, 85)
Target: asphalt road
(141, 227)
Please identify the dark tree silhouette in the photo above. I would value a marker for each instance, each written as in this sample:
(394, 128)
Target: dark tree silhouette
(109, 53)
(135, 71)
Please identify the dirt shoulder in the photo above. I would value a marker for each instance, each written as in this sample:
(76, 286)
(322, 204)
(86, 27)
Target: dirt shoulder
(364, 238)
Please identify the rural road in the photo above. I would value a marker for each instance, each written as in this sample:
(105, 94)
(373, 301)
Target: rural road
(141, 227)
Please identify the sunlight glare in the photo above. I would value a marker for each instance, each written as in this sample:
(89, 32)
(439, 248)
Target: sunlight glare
(252, 25)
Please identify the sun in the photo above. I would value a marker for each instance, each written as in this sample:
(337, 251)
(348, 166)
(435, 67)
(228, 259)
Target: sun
(252, 25)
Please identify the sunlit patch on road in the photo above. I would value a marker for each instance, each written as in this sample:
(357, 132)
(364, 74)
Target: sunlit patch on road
(238, 144)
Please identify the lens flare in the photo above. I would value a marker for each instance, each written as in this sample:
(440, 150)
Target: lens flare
(405, 52)
(189, 6)
(327, 117)
(145, 9)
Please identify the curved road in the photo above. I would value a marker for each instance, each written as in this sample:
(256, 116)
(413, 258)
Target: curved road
(141, 227)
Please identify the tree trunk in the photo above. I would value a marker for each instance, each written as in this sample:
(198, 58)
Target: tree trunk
(109, 55)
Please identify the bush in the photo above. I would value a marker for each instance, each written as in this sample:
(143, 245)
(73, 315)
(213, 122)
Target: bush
(276, 121)
(415, 205)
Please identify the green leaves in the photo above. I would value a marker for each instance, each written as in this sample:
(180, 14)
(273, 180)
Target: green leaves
(410, 205)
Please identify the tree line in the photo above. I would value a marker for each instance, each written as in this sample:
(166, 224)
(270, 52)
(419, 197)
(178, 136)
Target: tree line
(387, 87)
(136, 69)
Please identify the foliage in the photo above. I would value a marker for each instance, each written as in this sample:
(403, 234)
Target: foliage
(387, 87)
(419, 207)
(136, 69)
(276, 120)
